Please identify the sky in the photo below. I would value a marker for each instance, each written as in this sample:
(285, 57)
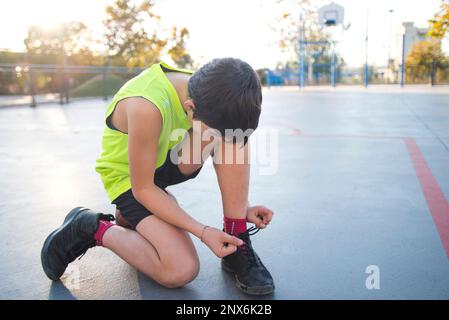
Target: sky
(240, 28)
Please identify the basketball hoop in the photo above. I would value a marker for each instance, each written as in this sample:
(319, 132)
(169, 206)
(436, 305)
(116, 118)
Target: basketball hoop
(331, 15)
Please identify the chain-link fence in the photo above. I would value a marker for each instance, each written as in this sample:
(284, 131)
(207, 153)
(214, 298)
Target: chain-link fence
(431, 73)
(36, 84)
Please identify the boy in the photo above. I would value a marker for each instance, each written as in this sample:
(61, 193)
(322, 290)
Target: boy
(140, 158)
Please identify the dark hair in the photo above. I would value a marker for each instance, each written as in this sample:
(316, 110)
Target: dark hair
(227, 95)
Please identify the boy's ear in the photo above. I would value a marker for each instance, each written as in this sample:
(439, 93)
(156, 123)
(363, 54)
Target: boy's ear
(189, 105)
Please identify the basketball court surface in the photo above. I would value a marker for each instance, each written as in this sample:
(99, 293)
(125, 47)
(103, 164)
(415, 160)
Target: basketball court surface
(360, 181)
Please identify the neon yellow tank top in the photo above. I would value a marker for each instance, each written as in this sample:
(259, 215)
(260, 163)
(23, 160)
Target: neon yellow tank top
(153, 85)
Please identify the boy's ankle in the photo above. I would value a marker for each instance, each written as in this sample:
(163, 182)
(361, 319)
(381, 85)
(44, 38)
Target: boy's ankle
(234, 226)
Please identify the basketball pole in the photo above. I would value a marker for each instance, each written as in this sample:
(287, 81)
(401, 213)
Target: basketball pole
(301, 52)
(403, 61)
(366, 51)
(333, 67)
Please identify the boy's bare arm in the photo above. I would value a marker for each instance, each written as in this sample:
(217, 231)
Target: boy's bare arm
(144, 127)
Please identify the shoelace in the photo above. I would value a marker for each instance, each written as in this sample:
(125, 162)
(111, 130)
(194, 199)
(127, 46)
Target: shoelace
(249, 231)
(249, 252)
(92, 244)
(107, 217)
(82, 255)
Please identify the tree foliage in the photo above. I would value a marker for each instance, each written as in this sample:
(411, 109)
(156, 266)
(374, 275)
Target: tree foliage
(178, 51)
(131, 38)
(44, 45)
(426, 52)
(131, 33)
(425, 57)
(440, 23)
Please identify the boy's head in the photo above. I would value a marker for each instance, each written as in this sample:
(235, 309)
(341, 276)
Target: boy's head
(226, 94)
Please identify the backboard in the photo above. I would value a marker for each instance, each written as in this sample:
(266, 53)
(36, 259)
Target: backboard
(331, 14)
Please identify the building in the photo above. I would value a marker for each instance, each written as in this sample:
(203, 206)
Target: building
(413, 35)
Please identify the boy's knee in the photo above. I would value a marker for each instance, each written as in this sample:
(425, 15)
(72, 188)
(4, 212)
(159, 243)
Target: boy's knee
(176, 277)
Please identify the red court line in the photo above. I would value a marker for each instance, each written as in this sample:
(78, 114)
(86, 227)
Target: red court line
(437, 203)
(350, 136)
(295, 131)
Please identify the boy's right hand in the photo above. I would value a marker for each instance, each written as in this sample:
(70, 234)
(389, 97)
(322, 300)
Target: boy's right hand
(221, 243)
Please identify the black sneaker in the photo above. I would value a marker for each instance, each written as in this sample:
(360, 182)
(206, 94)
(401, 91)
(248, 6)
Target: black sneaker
(250, 274)
(71, 240)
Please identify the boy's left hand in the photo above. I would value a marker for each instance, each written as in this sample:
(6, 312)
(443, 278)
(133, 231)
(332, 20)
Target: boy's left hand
(259, 215)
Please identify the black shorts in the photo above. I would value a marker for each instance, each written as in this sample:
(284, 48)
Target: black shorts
(166, 175)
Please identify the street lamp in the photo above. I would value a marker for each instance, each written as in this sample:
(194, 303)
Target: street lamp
(366, 49)
(63, 94)
(389, 37)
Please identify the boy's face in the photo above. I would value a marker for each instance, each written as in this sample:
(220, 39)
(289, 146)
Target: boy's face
(207, 134)
(199, 128)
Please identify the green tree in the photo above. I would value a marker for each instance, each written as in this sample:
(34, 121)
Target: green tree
(7, 56)
(11, 82)
(128, 37)
(178, 51)
(440, 23)
(69, 42)
(424, 56)
(44, 45)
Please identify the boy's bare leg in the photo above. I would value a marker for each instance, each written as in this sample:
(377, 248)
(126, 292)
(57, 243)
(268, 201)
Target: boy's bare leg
(161, 251)
(134, 249)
